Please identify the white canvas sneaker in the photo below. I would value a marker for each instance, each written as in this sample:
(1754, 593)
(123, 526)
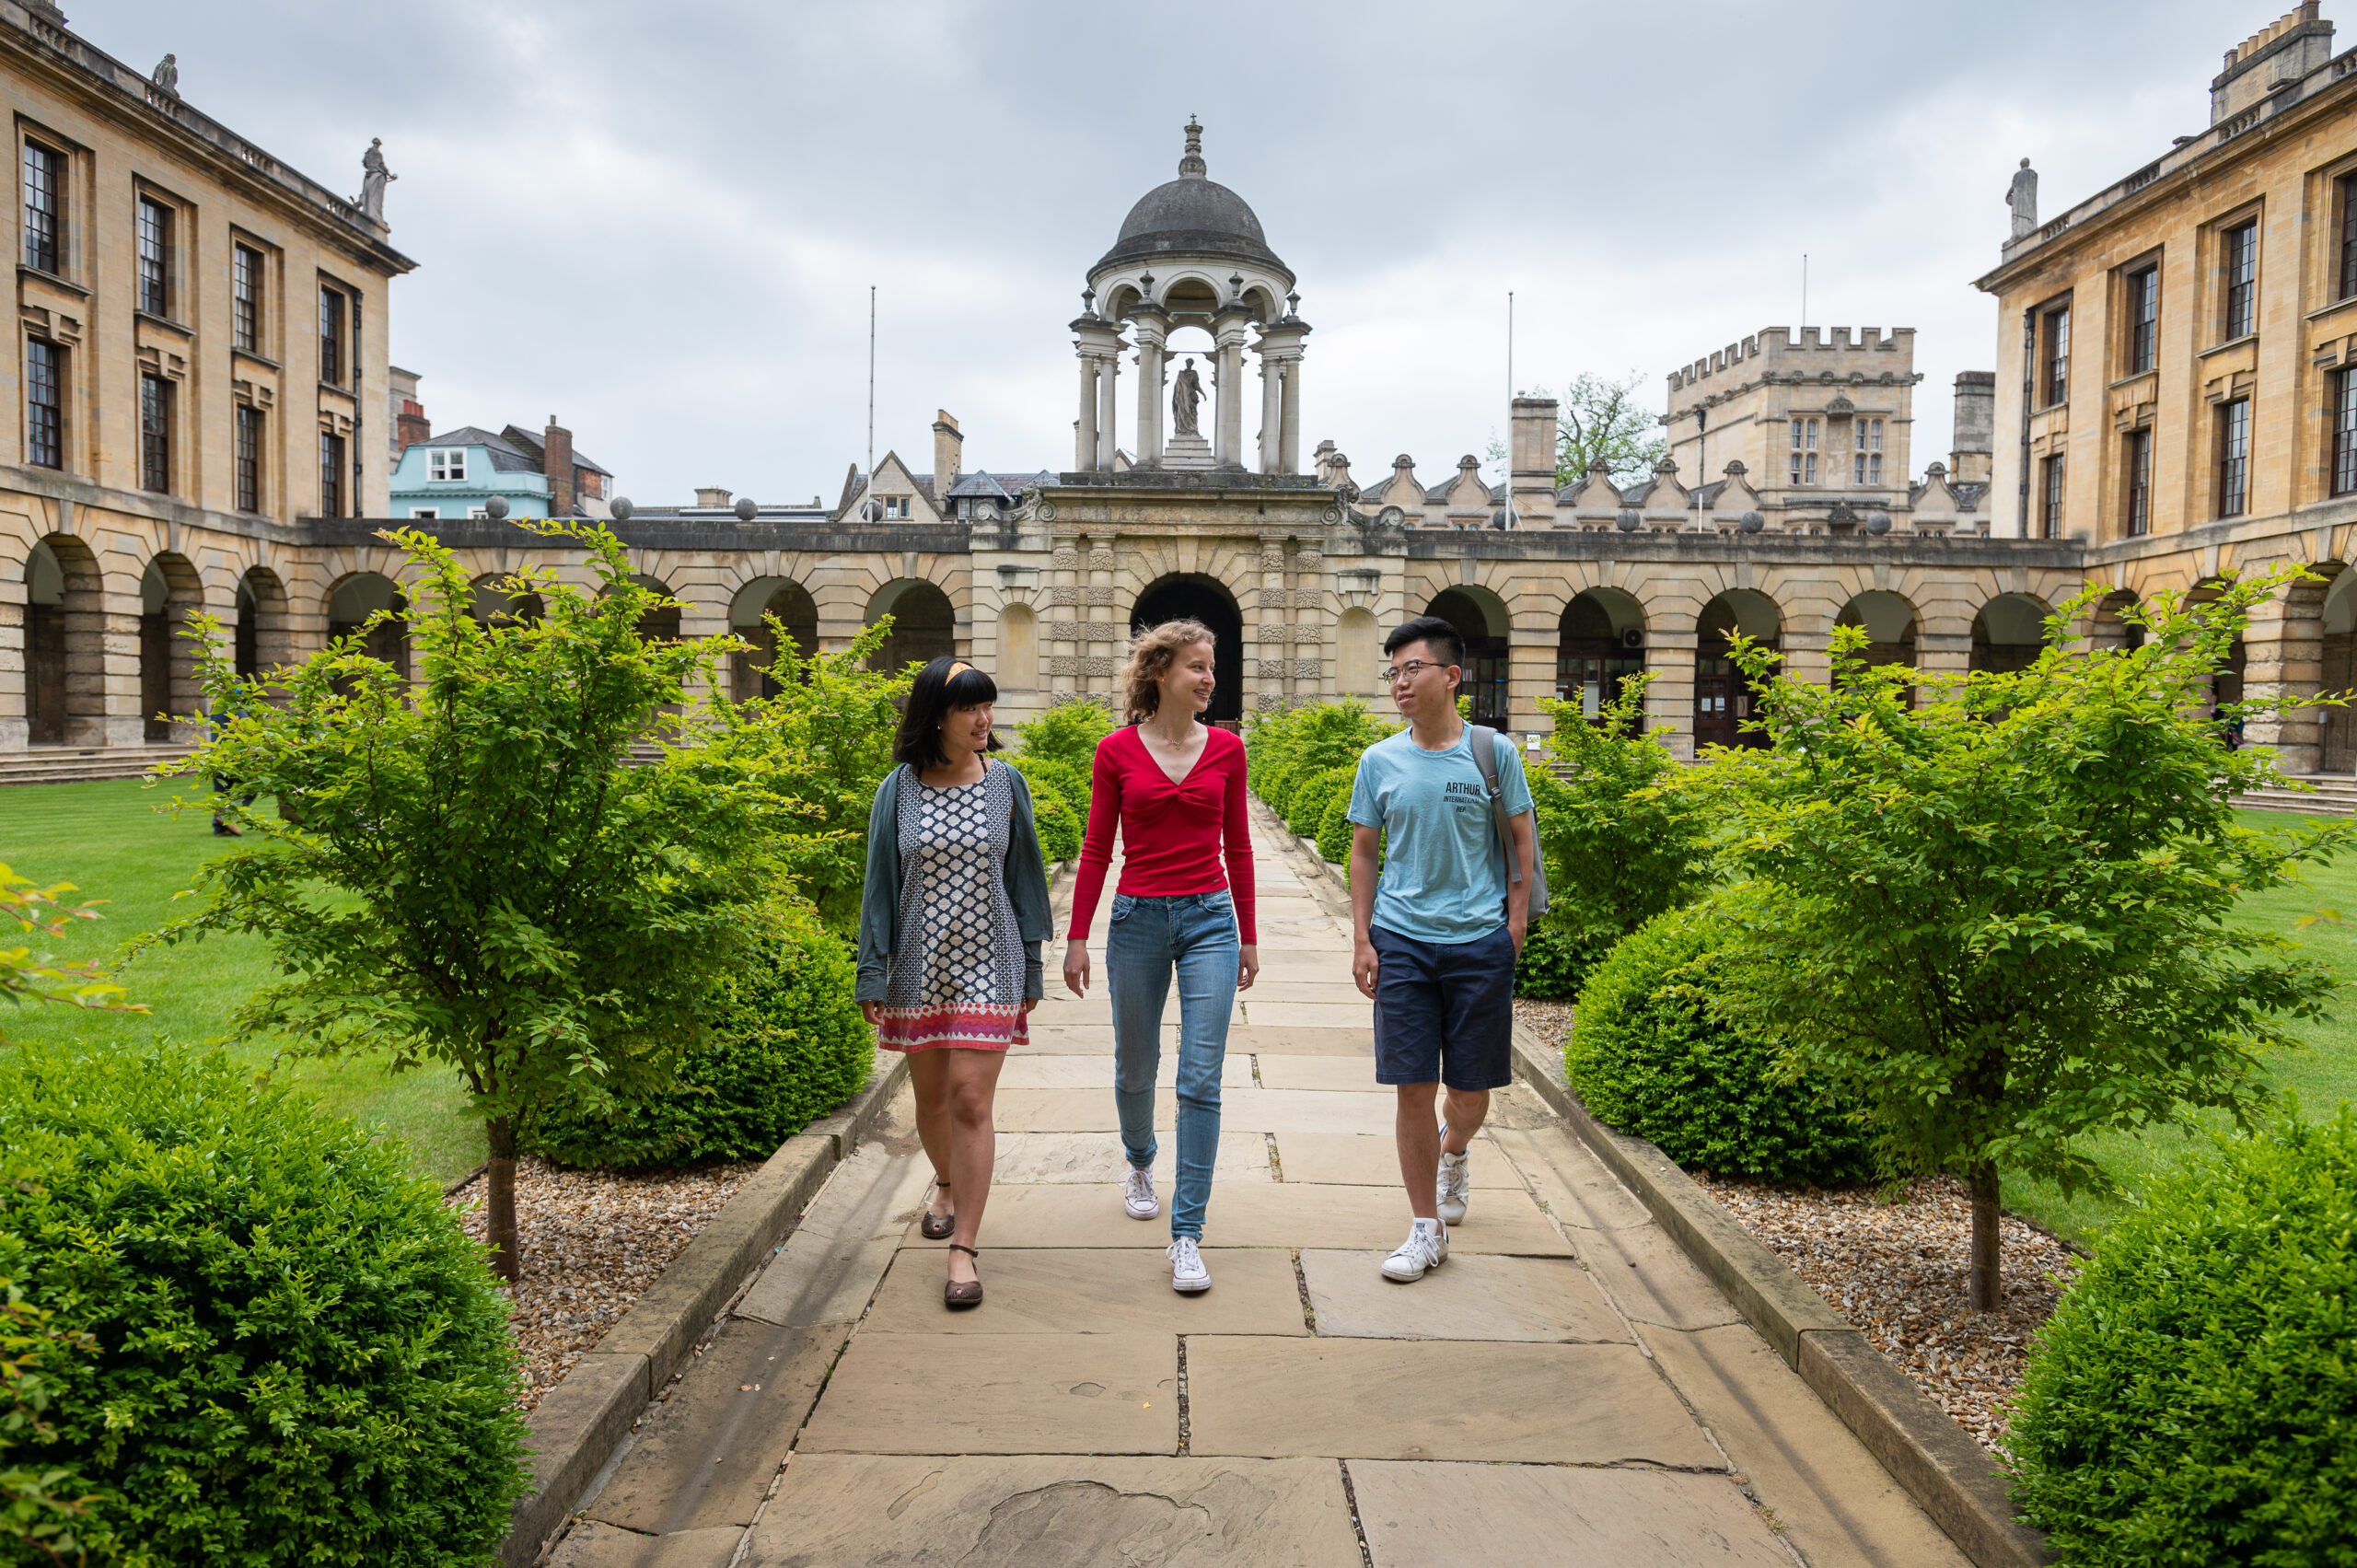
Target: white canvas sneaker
(1427, 1248)
(1187, 1270)
(1138, 1197)
(1454, 1186)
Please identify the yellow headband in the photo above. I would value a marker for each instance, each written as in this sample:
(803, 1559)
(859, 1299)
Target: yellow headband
(953, 669)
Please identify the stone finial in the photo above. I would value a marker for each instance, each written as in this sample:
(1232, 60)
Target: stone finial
(1192, 167)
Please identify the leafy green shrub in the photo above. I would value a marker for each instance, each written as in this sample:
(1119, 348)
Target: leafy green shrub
(1282, 778)
(1652, 1055)
(1067, 733)
(293, 1353)
(1311, 797)
(1069, 784)
(1059, 825)
(2194, 1399)
(786, 1045)
(1334, 827)
(1554, 962)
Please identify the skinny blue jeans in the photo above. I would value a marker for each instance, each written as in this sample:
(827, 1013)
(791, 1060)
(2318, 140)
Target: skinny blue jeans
(1193, 933)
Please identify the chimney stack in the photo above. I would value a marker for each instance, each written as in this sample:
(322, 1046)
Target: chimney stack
(949, 447)
(712, 496)
(1973, 449)
(556, 461)
(1530, 481)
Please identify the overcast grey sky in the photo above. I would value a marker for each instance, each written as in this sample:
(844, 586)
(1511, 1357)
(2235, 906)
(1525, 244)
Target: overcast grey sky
(659, 222)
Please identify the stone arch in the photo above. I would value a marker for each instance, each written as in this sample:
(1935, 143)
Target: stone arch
(660, 624)
(1481, 617)
(2226, 681)
(1358, 653)
(1018, 649)
(354, 599)
(1890, 623)
(1724, 697)
(264, 639)
(791, 604)
(2107, 628)
(1193, 595)
(497, 604)
(1599, 643)
(2009, 632)
(64, 643)
(924, 623)
(2337, 617)
(170, 594)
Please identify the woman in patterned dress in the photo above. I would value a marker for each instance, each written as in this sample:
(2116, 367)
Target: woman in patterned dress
(951, 920)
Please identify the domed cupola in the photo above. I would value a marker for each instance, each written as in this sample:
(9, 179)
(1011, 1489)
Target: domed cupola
(1192, 215)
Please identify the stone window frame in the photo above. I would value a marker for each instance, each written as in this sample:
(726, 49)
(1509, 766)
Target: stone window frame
(2136, 481)
(2217, 240)
(334, 325)
(2050, 372)
(64, 221)
(48, 443)
(155, 247)
(2340, 469)
(251, 329)
(2126, 278)
(159, 410)
(2230, 470)
(1865, 449)
(1802, 470)
(2053, 492)
(250, 457)
(438, 464)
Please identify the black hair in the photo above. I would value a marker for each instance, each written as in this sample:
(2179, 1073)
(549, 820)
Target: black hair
(937, 692)
(1444, 640)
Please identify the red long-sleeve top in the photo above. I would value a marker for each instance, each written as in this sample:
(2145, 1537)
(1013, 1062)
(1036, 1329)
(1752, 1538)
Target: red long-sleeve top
(1173, 835)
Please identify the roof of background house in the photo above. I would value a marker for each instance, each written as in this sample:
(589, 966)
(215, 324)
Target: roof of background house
(532, 444)
(506, 456)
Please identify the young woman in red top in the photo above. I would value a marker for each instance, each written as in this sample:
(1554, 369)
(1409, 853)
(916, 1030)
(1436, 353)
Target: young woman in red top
(1176, 785)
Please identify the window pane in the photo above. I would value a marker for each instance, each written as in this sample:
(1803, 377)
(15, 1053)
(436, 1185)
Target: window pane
(331, 475)
(246, 299)
(2242, 280)
(44, 403)
(2344, 434)
(155, 257)
(43, 173)
(2233, 458)
(249, 460)
(331, 338)
(155, 434)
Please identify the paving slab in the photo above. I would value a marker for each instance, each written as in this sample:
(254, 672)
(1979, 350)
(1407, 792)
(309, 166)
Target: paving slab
(814, 1280)
(1308, 1111)
(1029, 1158)
(1333, 985)
(1250, 1214)
(1454, 1516)
(1357, 1042)
(1437, 1399)
(1471, 1297)
(1650, 1277)
(1833, 1497)
(833, 1510)
(1070, 1110)
(877, 1191)
(706, 1454)
(1349, 1075)
(1574, 1185)
(593, 1545)
(1049, 1071)
(1311, 1014)
(1001, 1394)
(1095, 1291)
(1369, 1159)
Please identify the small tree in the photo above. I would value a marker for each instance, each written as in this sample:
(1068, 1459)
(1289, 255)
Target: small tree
(825, 741)
(1624, 841)
(1606, 420)
(27, 976)
(480, 876)
(2003, 918)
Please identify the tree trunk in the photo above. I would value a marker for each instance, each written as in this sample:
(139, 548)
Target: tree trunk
(499, 1182)
(1982, 1176)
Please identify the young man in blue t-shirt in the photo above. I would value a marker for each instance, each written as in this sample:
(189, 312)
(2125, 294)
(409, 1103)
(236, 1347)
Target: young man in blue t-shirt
(1435, 943)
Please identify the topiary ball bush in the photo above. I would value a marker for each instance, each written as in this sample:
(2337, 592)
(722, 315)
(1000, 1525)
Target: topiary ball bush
(1281, 779)
(1334, 827)
(293, 1353)
(1310, 798)
(2194, 1399)
(785, 1046)
(1652, 1055)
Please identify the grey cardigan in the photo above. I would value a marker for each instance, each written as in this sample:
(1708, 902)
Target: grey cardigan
(879, 900)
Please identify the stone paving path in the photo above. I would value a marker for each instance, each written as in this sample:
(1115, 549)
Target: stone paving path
(1568, 1388)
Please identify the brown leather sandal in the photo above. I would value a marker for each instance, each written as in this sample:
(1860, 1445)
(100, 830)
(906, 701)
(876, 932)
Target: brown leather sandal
(959, 1294)
(933, 1227)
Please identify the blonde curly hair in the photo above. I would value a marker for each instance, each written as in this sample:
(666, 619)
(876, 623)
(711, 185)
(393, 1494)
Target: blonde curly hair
(1152, 653)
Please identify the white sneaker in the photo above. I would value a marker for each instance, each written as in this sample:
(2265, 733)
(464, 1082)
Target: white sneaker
(1138, 1196)
(1187, 1270)
(1455, 1186)
(1427, 1248)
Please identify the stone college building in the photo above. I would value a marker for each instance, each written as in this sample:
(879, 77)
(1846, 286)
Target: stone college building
(203, 422)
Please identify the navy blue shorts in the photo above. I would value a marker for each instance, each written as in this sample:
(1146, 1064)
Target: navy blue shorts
(1443, 1011)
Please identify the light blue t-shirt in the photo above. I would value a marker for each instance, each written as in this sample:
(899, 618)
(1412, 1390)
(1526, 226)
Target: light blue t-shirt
(1444, 878)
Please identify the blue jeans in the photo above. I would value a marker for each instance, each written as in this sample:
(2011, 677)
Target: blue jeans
(1147, 938)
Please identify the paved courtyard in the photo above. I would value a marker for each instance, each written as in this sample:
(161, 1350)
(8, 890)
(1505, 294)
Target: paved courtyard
(1568, 1388)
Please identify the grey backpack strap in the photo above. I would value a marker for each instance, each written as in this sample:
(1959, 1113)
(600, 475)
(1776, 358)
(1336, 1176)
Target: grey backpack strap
(1485, 756)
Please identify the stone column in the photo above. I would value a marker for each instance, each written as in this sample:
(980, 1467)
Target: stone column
(1530, 671)
(1109, 376)
(1669, 696)
(1084, 455)
(1289, 431)
(117, 675)
(1227, 336)
(1153, 335)
(1271, 409)
(15, 719)
(1264, 634)
(1281, 352)
(1062, 634)
(2283, 656)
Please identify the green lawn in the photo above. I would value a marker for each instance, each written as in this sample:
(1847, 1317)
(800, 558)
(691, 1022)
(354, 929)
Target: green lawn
(111, 843)
(2320, 1077)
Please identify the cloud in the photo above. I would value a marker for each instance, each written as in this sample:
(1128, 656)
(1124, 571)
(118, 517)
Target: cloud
(660, 223)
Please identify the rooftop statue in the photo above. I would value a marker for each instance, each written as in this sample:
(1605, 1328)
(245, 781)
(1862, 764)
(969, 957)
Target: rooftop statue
(372, 179)
(167, 76)
(2022, 196)
(1185, 391)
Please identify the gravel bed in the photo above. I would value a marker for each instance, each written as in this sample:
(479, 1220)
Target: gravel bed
(591, 1241)
(1894, 1262)
(1550, 1021)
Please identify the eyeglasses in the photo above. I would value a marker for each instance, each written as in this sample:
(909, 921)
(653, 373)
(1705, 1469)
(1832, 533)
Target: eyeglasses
(1412, 668)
